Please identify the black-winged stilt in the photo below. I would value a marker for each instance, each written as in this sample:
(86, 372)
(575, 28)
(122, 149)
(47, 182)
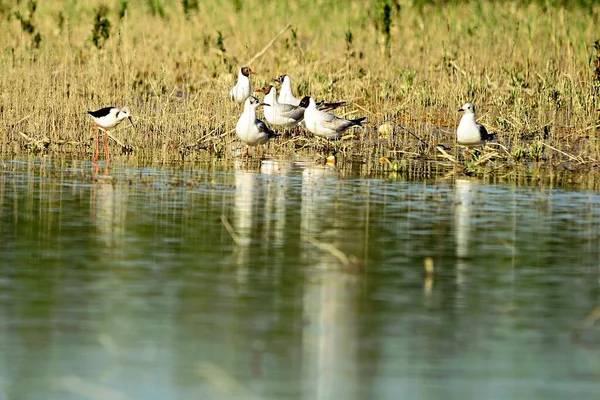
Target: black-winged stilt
(106, 118)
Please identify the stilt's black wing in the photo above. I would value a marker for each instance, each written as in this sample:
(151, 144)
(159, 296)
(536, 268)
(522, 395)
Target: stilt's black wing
(101, 112)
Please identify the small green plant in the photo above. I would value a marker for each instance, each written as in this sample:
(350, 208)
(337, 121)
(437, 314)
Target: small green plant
(470, 168)
(475, 162)
(27, 24)
(60, 21)
(518, 79)
(399, 165)
(503, 123)
(189, 6)
(292, 43)
(406, 81)
(530, 152)
(123, 9)
(536, 151)
(4, 10)
(385, 11)
(519, 153)
(237, 5)
(221, 42)
(36, 40)
(218, 150)
(101, 29)
(349, 44)
(157, 8)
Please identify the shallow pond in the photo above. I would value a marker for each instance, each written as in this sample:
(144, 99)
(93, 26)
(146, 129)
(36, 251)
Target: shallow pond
(290, 280)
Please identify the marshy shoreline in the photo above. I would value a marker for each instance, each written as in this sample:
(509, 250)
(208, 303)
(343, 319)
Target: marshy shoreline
(533, 70)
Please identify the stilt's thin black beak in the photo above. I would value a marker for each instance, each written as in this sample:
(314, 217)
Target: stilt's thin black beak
(132, 124)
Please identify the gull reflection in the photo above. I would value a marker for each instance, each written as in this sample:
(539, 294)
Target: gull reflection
(275, 209)
(463, 199)
(246, 191)
(462, 212)
(330, 338)
(258, 210)
(319, 186)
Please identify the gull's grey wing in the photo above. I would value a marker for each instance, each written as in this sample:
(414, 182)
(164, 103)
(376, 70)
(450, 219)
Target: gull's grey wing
(341, 124)
(293, 112)
(326, 117)
(284, 107)
(337, 124)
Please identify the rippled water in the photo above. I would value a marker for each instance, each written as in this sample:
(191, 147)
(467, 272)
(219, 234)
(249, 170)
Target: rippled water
(132, 287)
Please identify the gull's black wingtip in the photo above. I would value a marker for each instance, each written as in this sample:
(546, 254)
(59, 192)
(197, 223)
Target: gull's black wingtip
(359, 121)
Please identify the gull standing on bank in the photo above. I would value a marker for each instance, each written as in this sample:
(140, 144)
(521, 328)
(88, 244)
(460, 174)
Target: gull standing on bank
(106, 118)
(242, 88)
(250, 129)
(324, 124)
(278, 113)
(470, 133)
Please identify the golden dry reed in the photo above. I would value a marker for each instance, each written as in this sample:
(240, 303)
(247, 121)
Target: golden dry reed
(529, 69)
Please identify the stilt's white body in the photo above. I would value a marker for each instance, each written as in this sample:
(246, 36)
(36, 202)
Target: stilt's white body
(106, 118)
(242, 89)
(469, 132)
(249, 129)
(112, 119)
(324, 124)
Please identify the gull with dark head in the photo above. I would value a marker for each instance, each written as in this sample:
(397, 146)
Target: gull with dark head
(470, 133)
(249, 129)
(324, 124)
(106, 118)
(242, 89)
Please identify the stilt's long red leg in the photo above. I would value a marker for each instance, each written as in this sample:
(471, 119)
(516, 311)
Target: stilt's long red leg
(106, 146)
(97, 145)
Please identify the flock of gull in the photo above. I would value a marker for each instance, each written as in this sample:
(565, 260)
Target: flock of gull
(287, 111)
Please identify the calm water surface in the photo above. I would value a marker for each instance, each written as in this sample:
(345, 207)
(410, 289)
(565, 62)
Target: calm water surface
(132, 287)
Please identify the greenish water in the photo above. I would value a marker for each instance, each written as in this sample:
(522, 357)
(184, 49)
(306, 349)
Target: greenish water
(131, 287)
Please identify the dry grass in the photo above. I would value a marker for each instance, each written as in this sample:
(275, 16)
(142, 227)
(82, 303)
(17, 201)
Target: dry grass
(529, 69)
